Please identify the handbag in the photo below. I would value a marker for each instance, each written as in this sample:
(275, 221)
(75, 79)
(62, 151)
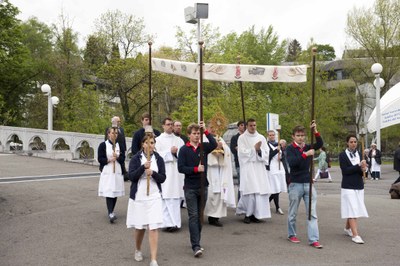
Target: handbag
(323, 174)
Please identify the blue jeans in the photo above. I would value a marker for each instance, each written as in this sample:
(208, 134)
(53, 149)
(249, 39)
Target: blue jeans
(298, 191)
(193, 201)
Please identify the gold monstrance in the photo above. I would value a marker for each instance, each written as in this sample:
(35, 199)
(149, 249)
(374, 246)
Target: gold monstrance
(218, 123)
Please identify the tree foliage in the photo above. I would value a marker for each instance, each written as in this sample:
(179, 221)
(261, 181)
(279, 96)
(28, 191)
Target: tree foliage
(376, 30)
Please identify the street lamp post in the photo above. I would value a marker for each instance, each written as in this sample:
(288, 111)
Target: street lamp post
(50, 102)
(193, 16)
(378, 83)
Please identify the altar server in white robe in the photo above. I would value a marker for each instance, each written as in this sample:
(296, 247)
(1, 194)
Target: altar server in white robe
(221, 192)
(253, 153)
(111, 183)
(168, 145)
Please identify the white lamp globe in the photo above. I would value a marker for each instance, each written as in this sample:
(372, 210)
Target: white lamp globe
(376, 68)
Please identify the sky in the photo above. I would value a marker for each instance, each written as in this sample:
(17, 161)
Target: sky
(324, 21)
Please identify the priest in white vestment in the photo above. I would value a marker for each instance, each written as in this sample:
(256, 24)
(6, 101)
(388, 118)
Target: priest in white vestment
(253, 153)
(221, 192)
(168, 145)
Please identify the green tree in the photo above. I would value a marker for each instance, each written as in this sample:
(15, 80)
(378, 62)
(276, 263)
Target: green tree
(15, 68)
(294, 49)
(376, 30)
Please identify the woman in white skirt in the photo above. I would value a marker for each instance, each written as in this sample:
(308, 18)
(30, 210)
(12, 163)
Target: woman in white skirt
(145, 203)
(111, 183)
(352, 192)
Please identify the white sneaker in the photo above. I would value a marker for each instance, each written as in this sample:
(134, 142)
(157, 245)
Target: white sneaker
(153, 263)
(280, 211)
(358, 240)
(348, 232)
(138, 255)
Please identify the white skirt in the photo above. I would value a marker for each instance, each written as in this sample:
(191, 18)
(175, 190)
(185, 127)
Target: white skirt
(111, 184)
(254, 204)
(144, 214)
(277, 182)
(352, 203)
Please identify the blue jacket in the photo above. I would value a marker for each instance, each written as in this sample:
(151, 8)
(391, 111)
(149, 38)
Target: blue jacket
(299, 163)
(189, 160)
(136, 170)
(352, 175)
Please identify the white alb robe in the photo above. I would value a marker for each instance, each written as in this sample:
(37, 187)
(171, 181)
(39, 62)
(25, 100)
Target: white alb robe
(221, 192)
(254, 181)
(172, 188)
(277, 177)
(111, 183)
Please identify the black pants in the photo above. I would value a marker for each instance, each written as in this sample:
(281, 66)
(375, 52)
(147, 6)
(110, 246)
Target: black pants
(111, 204)
(275, 197)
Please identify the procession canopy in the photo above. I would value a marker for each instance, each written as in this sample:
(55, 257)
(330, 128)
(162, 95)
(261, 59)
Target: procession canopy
(232, 72)
(389, 109)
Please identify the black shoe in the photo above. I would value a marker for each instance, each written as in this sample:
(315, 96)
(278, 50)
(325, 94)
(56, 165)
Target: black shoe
(126, 177)
(254, 219)
(246, 220)
(215, 222)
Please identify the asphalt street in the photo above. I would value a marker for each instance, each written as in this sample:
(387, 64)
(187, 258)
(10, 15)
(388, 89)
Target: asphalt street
(50, 214)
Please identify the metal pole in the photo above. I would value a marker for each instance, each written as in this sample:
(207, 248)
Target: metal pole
(198, 61)
(314, 52)
(241, 94)
(202, 178)
(378, 111)
(49, 112)
(150, 43)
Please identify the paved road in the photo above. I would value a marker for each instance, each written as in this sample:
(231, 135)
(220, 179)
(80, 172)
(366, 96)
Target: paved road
(63, 222)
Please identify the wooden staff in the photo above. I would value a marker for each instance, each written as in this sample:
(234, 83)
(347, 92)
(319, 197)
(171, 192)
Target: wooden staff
(278, 129)
(148, 157)
(200, 107)
(314, 52)
(241, 93)
(150, 69)
(362, 134)
(114, 129)
(149, 129)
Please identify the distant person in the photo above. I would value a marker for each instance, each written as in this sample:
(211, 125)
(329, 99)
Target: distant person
(145, 202)
(177, 128)
(396, 159)
(299, 157)
(375, 162)
(366, 153)
(352, 192)
(283, 144)
(276, 171)
(323, 170)
(241, 127)
(168, 145)
(139, 134)
(122, 143)
(111, 183)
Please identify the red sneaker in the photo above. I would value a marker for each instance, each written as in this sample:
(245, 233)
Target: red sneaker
(316, 244)
(294, 239)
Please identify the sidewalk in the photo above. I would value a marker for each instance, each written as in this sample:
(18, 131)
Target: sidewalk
(63, 222)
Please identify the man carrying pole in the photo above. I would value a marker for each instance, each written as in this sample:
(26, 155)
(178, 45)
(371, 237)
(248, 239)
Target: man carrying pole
(299, 157)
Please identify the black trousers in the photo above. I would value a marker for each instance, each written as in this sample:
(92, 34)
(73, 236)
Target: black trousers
(111, 204)
(275, 197)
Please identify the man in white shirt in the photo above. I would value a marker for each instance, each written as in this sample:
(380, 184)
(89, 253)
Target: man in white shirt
(221, 192)
(167, 145)
(254, 187)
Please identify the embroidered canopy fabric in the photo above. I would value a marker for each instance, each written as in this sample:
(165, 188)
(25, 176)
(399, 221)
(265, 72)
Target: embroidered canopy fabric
(230, 73)
(390, 109)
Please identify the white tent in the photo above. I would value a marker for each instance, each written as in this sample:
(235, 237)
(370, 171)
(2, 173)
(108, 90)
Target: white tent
(390, 109)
